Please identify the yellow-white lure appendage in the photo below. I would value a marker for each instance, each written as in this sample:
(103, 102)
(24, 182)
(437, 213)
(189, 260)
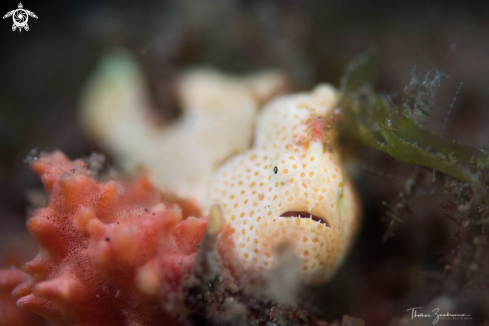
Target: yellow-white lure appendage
(290, 188)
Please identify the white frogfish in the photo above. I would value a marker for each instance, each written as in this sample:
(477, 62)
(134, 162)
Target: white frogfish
(290, 188)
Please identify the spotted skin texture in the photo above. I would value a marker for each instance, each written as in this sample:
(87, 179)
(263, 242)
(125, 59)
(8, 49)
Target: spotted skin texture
(291, 170)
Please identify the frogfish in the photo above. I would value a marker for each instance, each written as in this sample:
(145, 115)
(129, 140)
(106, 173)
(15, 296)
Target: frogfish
(290, 189)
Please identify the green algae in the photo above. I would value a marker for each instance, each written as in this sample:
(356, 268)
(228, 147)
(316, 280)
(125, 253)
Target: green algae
(375, 120)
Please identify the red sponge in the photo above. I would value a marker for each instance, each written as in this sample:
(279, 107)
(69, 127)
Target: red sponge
(109, 251)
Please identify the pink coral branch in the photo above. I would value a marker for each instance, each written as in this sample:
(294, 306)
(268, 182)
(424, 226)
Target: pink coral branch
(109, 251)
(10, 315)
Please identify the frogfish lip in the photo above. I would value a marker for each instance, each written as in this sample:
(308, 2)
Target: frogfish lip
(305, 215)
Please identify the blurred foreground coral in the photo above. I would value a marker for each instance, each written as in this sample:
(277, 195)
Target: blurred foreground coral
(109, 251)
(9, 313)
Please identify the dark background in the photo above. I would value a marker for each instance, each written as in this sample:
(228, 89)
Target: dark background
(42, 72)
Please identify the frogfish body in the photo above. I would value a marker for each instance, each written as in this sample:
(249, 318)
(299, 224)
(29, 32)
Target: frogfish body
(290, 188)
